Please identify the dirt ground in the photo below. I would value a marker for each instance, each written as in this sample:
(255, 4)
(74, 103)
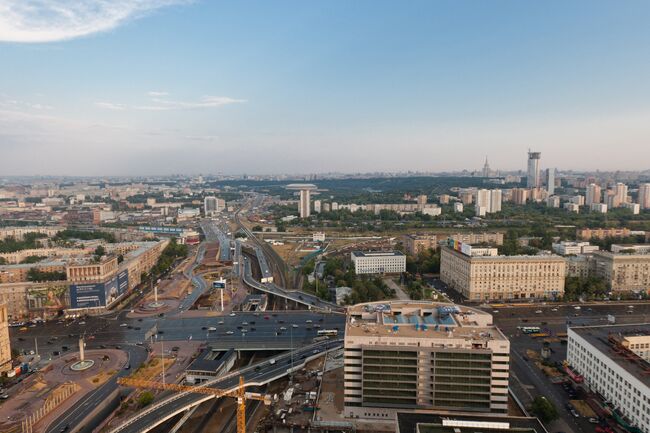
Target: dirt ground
(583, 408)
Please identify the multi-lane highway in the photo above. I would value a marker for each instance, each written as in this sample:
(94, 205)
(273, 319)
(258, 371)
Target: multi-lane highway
(254, 375)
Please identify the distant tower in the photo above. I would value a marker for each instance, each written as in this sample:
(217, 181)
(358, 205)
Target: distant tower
(486, 168)
(532, 180)
(550, 181)
(305, 197)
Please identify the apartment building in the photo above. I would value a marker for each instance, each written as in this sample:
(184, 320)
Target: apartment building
(423, 355)
(415, 244)
(19, 273)
(623, 272)
(495, 238)
(378, 262)
(604, 233)
(493, 277)
(613, 360)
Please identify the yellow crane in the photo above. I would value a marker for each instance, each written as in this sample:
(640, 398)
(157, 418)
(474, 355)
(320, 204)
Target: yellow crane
(239, 393)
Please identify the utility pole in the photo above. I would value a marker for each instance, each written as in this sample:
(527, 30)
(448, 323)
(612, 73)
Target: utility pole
(162, 359)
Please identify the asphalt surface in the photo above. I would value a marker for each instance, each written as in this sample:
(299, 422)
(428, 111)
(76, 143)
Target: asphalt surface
(77, 414)
(259, 373)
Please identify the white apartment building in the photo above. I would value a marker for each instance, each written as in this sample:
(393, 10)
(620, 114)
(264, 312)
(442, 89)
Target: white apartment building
(644, 196)
(378, 262)
(424, 355)
(593, 194)
(598, 207)
(566, 248)
(613, 360)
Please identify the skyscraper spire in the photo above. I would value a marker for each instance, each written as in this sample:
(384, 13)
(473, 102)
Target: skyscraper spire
(486, 168)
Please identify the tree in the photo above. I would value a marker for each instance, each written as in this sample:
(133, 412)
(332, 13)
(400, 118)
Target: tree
(258, 228)
(544, 409)
(145, 399)
(99, 252)
(120, 258)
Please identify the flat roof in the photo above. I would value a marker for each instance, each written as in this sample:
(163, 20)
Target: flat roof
(598, 336)
(420, 319)
(209, 360)
(377, 253)
(409, 422)
(553, 257)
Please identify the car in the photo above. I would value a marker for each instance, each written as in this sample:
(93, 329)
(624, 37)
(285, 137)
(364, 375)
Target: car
(229, 332)
(64, 348)
(161, 332)
(282, 328)
(139, 343)
(127, 367)
(593, 420)
(102, 346)
(244, 323)
(204, 328)
(56, 353)
(253, 329)
(232, 314)
(266, 317)
(294, 326)
(64, 428)
(538, 312)
(137, 328)
(553, 309)
(257, 368)
(49, 342)
(212, 329)
(82, 323)
(21, 339)
(129, 327)
(308, 321)
(577, 307)
(317, 326)
(280, 321)
(118, 347)
(123, 325)
(220, 322)
(574, 413)
(140, 319)
(161, 315)
(495, 311)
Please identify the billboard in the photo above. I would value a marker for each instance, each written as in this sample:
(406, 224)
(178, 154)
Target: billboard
(123, 281)
(219, 284)
(87, 295)
(164, 230)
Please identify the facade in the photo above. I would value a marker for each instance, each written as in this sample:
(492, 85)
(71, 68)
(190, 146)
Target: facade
(598, 207)
(637, 249)
(423, 355)
(495, 238)
(20, 273)
(5, 343)
(593, 194)
(613, 360)
(488, 277)
(519, 196)
(579, 266)
(378, 262)
(635, 208)
(317, 206)
(575, 248)
(586, 234)
(495, 201)
(644, 196)
(623, 272)
(415, 244)
(532, 178)
(209, 206)
(550, 181)
(553, 201)
(18, 233)
(458, 207)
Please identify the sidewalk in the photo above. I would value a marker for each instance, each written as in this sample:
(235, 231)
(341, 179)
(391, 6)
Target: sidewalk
(401, 294)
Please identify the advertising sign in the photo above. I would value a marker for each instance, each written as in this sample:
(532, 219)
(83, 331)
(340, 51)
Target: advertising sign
(87, 295)
(123, 282)
(219, 284)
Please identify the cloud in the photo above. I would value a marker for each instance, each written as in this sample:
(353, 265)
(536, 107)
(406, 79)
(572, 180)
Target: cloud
(38, 21)
(160, 104)
(110, 106)
(157, 94)
(10, 103)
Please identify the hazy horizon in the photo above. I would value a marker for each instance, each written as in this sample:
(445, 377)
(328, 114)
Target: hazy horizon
(155, 87)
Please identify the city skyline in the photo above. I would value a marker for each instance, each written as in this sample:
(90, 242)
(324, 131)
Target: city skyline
(178, 86)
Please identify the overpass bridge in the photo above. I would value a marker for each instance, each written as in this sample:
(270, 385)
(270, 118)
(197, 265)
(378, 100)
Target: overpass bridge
(258, 374)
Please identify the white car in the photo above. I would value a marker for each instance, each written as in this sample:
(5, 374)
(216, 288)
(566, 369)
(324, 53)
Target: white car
(229, 332)
(123, 325)
(553, 309)
(294, 326)
(538, 312)
(212, 329)
(232, 314)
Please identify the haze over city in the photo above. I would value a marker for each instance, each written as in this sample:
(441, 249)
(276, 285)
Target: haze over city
(176, 86)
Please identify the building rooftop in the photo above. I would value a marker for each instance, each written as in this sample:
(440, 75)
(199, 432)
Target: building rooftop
(554, 257)
(377, 253)
(420, 319)
(605, 337)
(209, 360)
(408, 422)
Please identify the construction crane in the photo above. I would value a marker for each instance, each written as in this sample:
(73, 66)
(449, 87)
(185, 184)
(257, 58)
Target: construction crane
(239, 393)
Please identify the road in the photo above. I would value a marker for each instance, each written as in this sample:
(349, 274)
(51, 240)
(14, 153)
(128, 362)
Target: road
(257, 374)
(77, 414)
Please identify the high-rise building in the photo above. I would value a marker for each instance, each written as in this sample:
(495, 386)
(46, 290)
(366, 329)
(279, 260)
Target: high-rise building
(532, 179)
(553, 201)
(424, 355)
(317, 206)
(304, 207)
(458, 207)
(593, 194)
(550, 181)
(482, 202)
(519, 196)
(466, 197)
(209, 205)
(444, 198)
(620, 190)
(486, 168)
(495, 201)
(644, 196)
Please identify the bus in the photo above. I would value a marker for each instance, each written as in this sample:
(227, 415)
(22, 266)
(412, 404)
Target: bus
(328, 332)
(529, 329)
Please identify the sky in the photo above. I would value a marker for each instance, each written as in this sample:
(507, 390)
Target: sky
(155, 87)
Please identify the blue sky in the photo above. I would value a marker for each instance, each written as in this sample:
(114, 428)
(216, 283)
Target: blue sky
(175, 86)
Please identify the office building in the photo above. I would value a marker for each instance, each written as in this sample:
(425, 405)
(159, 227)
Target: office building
(532, 178)
(593, 194)
(434, 356)
(565, 248)
(519, 196)
(644, 196)
(550, 181)
(614, 362)
(415, 244)
(304, 190)
(5, 343)
(623, 272)
(378, 262)
(487, 277)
